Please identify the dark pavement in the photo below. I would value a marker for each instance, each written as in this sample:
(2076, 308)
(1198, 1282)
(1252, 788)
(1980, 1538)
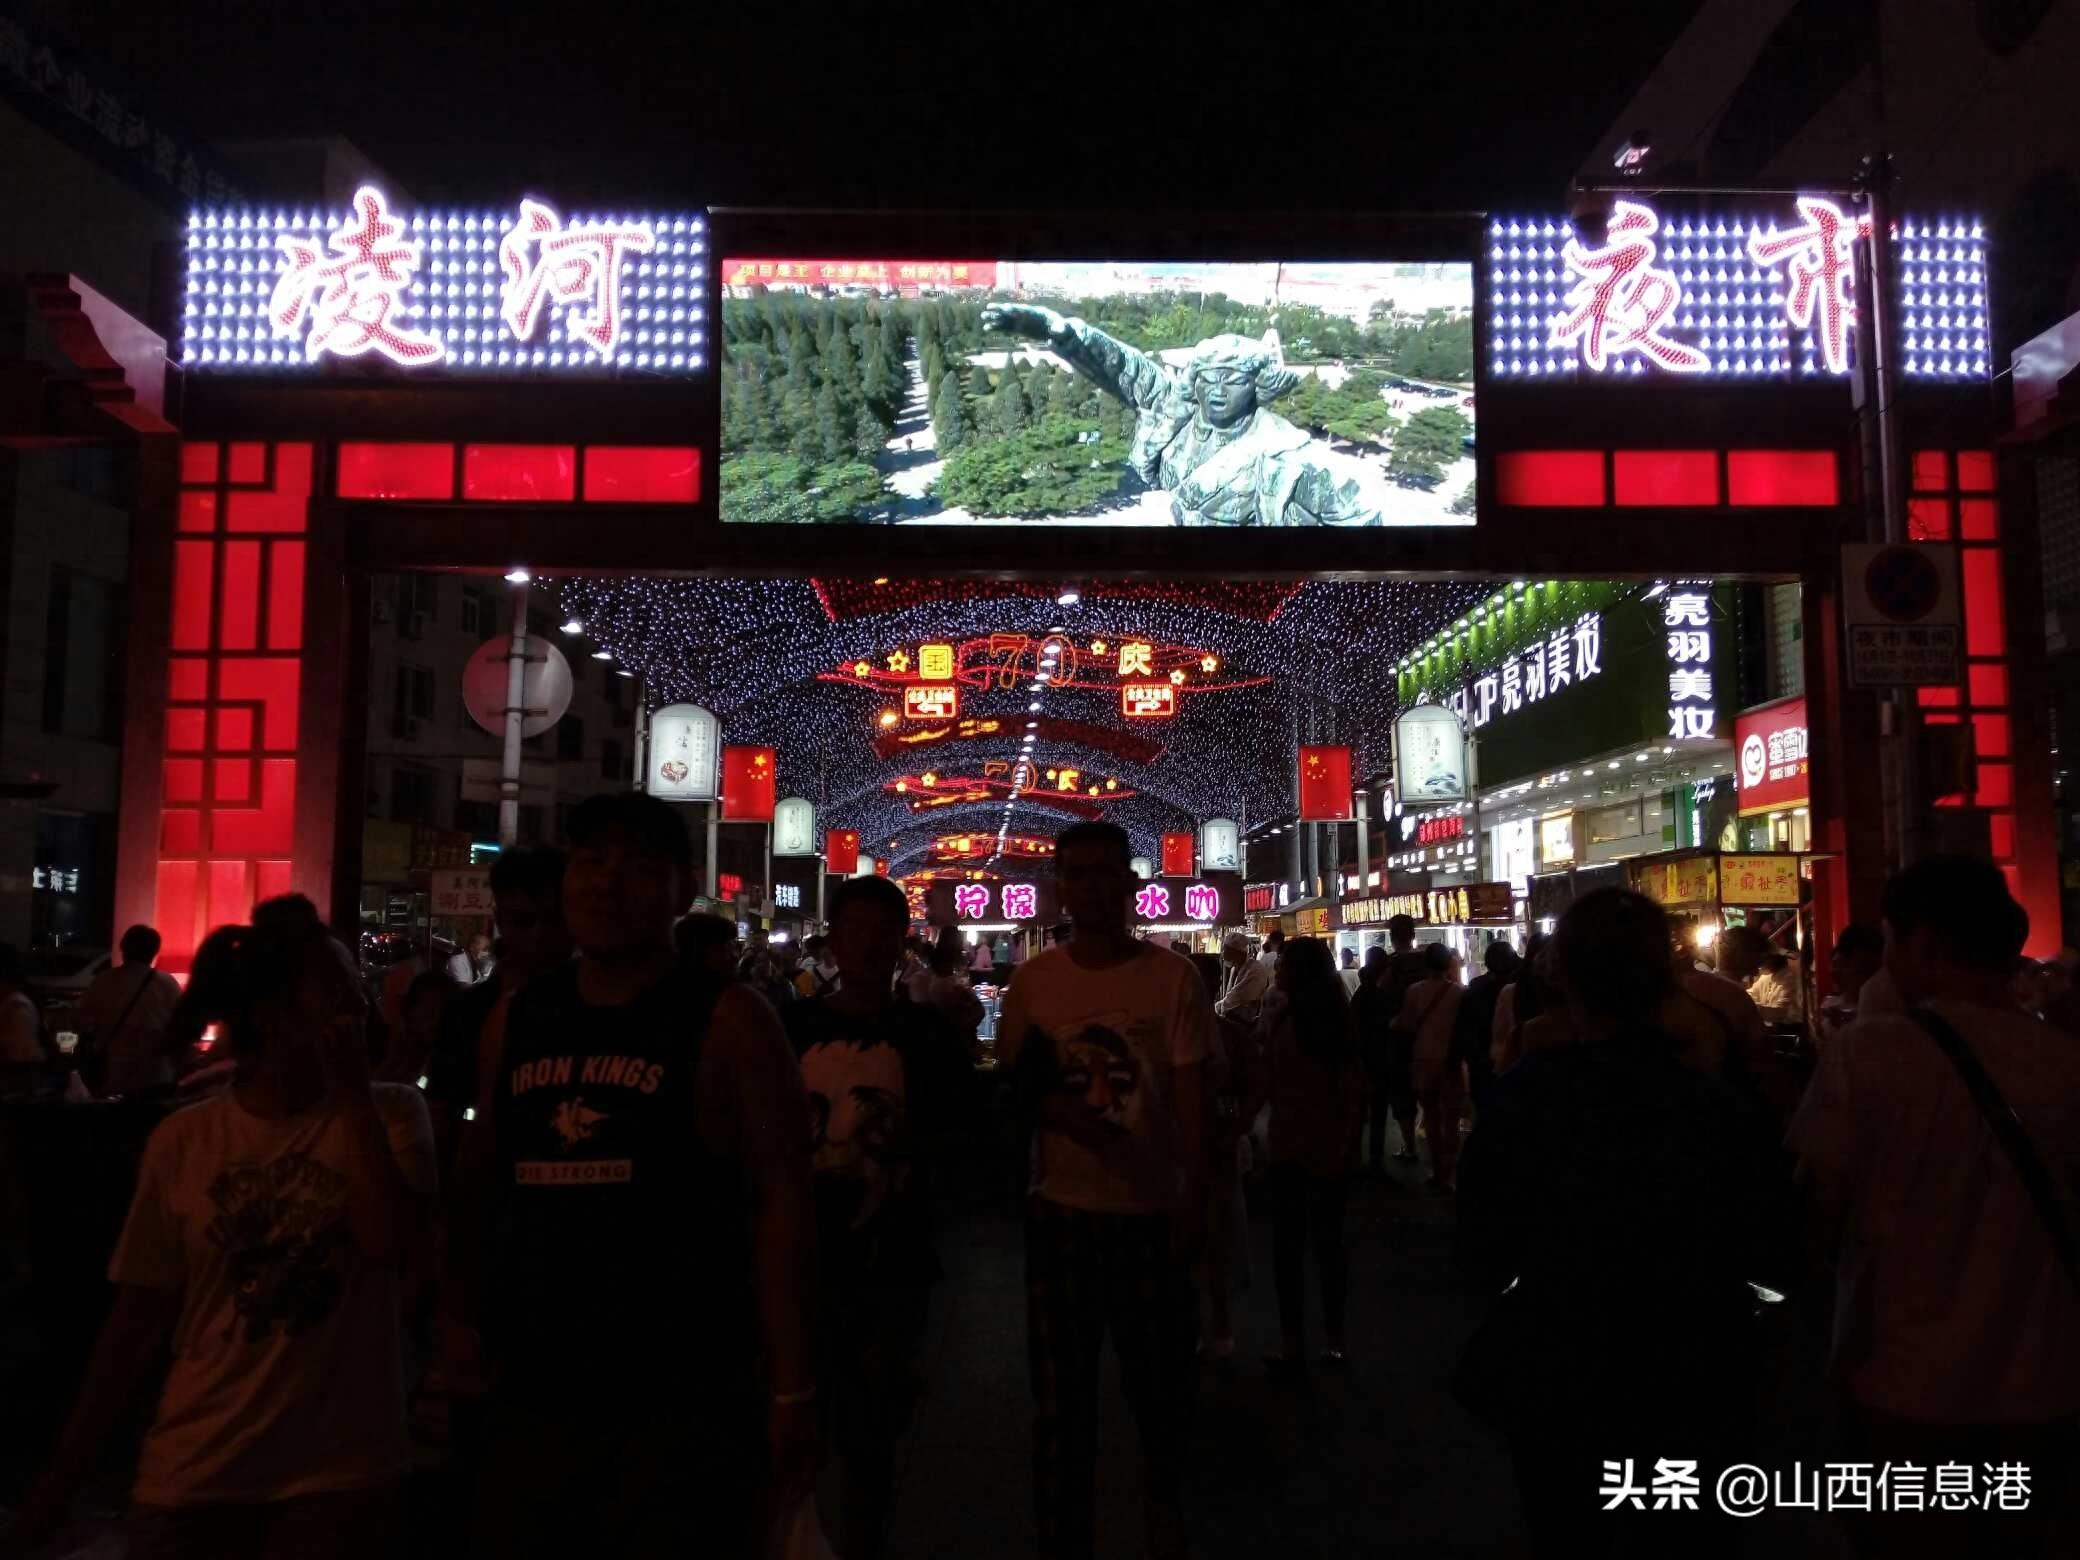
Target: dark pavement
(1380, 1461)
(1374, 1462)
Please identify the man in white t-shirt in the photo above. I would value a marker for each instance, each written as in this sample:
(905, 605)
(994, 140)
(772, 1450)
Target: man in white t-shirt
(126, 1011)
(1957, 1327)
(1124, 1029)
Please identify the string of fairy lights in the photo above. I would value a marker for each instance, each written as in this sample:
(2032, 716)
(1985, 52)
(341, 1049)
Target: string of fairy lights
(752, 650)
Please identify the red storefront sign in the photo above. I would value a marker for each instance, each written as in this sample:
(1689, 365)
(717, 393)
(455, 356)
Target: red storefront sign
(1147, 701)
(748, 778)
(1178, 858)
(1770, 756)
(932, 701)
(841, 852)
(1325, 784)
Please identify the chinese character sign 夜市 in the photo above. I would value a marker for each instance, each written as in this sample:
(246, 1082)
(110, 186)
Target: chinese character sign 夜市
(1817, 256)
(1622, 300)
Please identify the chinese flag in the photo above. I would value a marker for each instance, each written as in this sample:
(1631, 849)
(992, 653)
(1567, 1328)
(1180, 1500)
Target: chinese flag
(1178, 857)
(748, 779)
(1325, 784)
(841, 852)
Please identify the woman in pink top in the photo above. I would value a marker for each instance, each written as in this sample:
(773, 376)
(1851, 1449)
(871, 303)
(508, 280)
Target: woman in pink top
(1429, 1012)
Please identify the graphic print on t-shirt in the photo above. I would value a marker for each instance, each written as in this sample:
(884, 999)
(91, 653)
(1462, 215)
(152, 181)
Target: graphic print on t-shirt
(574, 1122)
(857, 1113)
(1101, 1071)
(282, 1227)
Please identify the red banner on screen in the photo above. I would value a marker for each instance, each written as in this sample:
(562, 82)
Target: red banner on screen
(901, 275)
(748, 777)
(841, 852)
(1325, 784)
(1178, 855)
(1769, 752)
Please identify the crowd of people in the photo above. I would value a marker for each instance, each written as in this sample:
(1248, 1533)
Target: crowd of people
(649, 1214)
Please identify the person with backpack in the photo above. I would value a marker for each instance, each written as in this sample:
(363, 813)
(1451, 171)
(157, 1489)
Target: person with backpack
(818, 974)
(1941, 1150)
(1317, 1105)
(1388, 1051)
(1473, 1031)
(257, 1276)
(1616, 1200)
(123, 1017)
(1428, 1015)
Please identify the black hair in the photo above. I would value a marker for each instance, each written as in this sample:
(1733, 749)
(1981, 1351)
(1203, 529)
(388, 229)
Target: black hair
(1376, 961)
(695, 936)
(1059, 932)
(1860, 937)
(1501, 957)
(1437, 958)
(1611, 950)
(534, 870)
(140, 945)
(1316, 1001)
(11, 966)
(237, 968)
(1965, 903)
(1276, 937)
(876, 892)
(1776, 963)
(1210, 972)
(1094, 832)
(651, 826)
(1401, 930)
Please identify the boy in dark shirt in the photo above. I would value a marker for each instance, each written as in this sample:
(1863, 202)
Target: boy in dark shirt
(887, 1079)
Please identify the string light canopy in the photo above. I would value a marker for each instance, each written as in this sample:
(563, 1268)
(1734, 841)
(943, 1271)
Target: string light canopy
(756, 650)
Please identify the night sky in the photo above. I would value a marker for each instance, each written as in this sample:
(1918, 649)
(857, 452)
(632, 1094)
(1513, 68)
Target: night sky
(1442, 106)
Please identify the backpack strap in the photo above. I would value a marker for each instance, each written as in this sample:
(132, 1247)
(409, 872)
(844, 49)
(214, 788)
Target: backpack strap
(2008, 1131)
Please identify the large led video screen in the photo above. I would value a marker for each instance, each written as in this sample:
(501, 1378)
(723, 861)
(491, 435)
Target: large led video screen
(979, 392)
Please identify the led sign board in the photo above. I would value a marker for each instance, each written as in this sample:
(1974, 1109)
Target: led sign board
(521, 292)
(1762, 294)
(1110, 393)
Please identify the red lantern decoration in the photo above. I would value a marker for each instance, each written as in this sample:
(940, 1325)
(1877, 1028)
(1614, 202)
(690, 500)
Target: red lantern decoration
(1325, 784)
(749, 776)
(1178, 855)
(841, 852)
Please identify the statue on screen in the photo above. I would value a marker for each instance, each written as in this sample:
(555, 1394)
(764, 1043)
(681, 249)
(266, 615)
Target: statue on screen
(1204, 431)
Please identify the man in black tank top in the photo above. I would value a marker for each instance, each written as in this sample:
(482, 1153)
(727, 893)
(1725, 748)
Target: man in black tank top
(632, 1219)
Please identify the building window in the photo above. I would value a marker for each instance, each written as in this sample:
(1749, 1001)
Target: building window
(479, 819)
(411, 795)
(612, 689)
(83, 626)
(611, 764)
(411, 702)
(476, 611)
(418, 605)
(570, 740)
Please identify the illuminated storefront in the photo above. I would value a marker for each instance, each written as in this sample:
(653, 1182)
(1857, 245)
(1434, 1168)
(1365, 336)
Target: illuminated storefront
(1660, 411)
